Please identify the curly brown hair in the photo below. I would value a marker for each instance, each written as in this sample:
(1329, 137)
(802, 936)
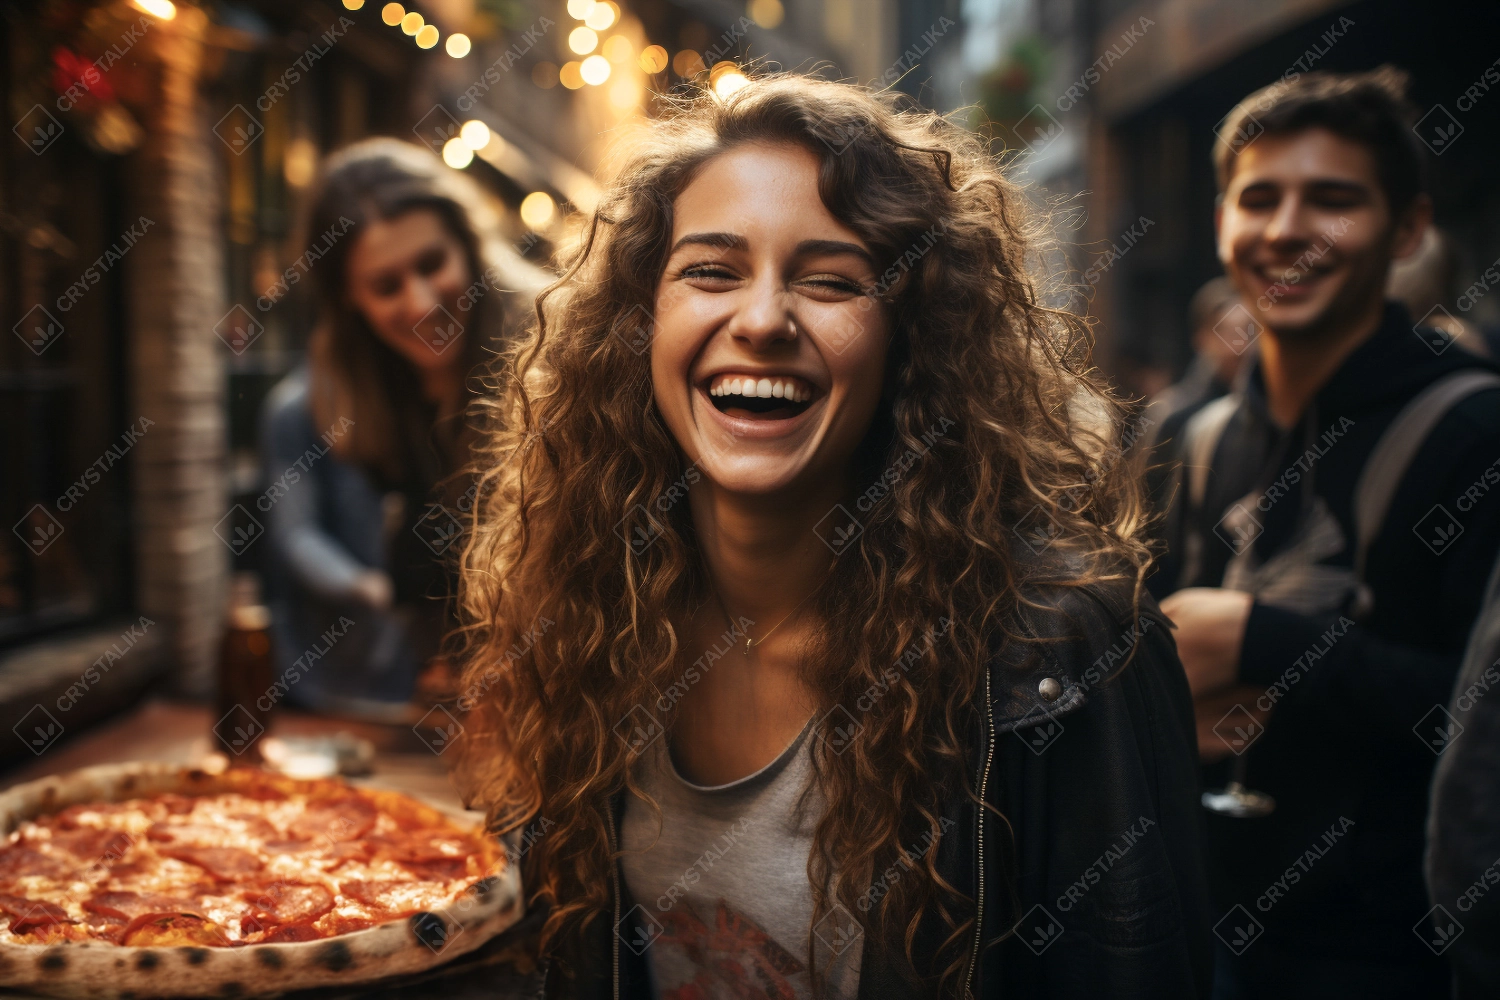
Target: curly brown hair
(567, 629)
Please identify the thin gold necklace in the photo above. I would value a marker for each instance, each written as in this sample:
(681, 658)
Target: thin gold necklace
(752, 643)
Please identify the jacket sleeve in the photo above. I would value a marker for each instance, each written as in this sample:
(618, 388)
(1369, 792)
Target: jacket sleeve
(1351, 669)
(1103, 799)
(310, 555)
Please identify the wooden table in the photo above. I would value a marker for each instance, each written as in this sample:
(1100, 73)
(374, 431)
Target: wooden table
(176, 733)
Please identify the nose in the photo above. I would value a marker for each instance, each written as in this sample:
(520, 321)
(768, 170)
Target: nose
(419, 299)
(763, 317)
(1288, 225)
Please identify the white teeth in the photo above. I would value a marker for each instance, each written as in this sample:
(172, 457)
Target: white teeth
(778, 389)
(763, 388)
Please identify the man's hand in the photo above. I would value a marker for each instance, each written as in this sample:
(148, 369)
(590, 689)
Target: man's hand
(1210, 631)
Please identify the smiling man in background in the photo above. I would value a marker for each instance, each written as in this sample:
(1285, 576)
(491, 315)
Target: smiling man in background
(1321, 598)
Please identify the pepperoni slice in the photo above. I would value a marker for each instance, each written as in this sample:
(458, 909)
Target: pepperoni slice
(391, 898)
(287, 903)
(167, 929)
(119, 905)
(300, 931)
(19, 859)
(227, 864)
(334, 821)
(28, 914)
(91, 844)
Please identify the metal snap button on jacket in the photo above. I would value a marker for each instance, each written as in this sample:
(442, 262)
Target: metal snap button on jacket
(1049, 689)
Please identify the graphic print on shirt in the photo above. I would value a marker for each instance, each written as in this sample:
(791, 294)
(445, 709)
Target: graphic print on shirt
(733, 957)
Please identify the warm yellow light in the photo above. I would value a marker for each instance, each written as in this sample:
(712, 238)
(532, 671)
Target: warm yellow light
(570, 75)
(163, 9)
(392, 13)
(595, 70)
(300, 162)
(688, 63)
(458, 45)
(457, 154)
(583, 40)
(653, 59)
(412, 23)
(475, 134)
(624, 93)
(538, 210)
(353, 4)
(766, 13)
(580, 8)
(427, 37)
(728, 83)
(544, 75)
(602, 16)
(617, 49)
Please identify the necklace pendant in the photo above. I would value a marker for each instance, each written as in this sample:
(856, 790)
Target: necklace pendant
(746, 650)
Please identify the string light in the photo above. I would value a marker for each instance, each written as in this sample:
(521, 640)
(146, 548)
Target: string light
(353, 4)
(457, 154)
(411, 23)
(766, 13)
(583, 40)
(729, 83)
(427, 37)
(580, 8)
(392, 13)
(653, 59)
(538, 210)
(688, 63)
(617, 49)
(162, 9)
(475, 134)
(594, 70)
(458, 45)
(571, 75)
(544, 75)
(602, 16)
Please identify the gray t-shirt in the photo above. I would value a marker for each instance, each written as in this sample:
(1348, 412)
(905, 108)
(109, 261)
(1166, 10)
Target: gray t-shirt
(723, 882)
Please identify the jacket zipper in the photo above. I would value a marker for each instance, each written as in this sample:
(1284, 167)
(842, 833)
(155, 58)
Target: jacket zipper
(614, 874)
(984, 780)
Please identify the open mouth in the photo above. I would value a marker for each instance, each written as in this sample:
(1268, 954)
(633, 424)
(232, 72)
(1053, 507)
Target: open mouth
(771, 398)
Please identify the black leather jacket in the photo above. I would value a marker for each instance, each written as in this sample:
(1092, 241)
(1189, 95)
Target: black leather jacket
(1094, 764)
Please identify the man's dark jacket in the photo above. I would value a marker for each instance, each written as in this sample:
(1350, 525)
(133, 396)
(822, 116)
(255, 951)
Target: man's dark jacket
(1335, 873)
(1097, 864)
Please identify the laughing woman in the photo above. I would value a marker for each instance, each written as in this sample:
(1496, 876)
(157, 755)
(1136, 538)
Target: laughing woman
(807, 640)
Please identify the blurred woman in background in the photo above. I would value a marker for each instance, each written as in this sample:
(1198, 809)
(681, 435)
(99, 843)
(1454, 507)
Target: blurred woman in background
(414, 294)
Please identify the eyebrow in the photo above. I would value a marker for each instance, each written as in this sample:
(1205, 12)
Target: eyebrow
(1323, 184)
(734, 241)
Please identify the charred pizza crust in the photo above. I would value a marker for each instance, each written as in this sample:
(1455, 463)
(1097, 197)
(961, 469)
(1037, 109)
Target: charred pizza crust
(322, 885)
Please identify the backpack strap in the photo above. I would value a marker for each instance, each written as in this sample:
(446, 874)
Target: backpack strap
(1386, 467)
(1200, 439)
